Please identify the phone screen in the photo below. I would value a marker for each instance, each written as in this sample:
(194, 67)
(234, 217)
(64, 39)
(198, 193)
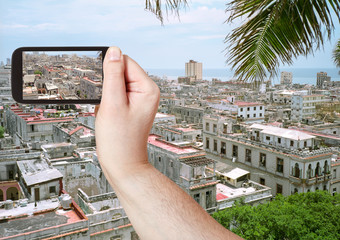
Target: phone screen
(62, 75)
(58, 75)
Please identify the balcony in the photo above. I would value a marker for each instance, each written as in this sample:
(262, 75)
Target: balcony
(295, 180)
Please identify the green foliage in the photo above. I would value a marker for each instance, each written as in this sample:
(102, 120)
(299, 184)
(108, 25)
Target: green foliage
(157, 7)
(336, 54)
(276, 32)
(271, 32)
(2, 132)
(313, 215)
(37, 72)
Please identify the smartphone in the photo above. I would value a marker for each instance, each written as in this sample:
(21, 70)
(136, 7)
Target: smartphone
(58, 75)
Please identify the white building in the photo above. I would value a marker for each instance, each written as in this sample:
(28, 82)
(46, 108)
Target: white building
(248, 111)
(303, 105)
(282, 159)
(286, 78)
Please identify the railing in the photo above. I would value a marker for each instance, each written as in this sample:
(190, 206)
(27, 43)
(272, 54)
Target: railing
(300, 153)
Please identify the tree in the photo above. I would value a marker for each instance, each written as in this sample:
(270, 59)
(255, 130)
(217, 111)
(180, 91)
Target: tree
(272, 32)
(336, 54)
(37, 72)
(312, 215)
(2, 132)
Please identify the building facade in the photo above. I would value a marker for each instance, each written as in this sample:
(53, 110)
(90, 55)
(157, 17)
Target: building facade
(193, 69)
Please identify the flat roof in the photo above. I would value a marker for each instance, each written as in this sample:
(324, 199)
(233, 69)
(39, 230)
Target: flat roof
(153, 139)
(30, 221)
(229, 191)
(236, 173)
(37, 171)
(282, 132)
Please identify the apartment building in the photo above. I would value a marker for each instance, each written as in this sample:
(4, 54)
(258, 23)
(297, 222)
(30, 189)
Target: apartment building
(193, 69)
(283, 159)
(303, 105)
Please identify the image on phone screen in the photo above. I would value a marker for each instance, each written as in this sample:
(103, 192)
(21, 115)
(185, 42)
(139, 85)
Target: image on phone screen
(62, 75)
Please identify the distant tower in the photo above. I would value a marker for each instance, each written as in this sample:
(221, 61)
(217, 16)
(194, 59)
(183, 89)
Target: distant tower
(286, 78)
(8, 61)
(193, 69)
(322, 79)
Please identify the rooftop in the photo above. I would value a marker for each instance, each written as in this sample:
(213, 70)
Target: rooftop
(282, 132)
(37, 171)
(24, 219)
(156, 141)
(196, 160)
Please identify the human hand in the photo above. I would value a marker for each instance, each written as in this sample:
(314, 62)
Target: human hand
(125, 115)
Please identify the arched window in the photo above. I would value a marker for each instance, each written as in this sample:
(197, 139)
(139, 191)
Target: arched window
(309, 171)
(12, 193)
(296, 170)
(317, 169)
(325, 168)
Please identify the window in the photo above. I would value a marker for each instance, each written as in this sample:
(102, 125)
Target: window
(263, 160)
(32, 128)
(262, 181)
(171, 164)
(214, 128)
(248, 108)
(334, 173)
(235, 151)
(215, 145)
(248, 115)
(207, 126)
(291, 143)
(254, 115)
(248, 155)
(159, 159)
(305, 144)
(334, 191)
(241, 109)
(261, 108)
(82, 168)
(267, 138)
(52, 189)
(279, 165)
(197, 198)
(65, 154)
(208, 199)
(260, 114)
(254, 108)
(278, 189)
(223, 147)
(207, 143)
(279, 140)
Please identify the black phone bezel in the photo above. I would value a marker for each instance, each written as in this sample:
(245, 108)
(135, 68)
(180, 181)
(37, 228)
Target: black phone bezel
(17, 78)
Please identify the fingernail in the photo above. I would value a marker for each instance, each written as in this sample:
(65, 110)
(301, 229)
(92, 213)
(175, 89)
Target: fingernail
(114, 54)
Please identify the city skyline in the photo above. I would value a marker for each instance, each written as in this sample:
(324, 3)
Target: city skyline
(198, 35)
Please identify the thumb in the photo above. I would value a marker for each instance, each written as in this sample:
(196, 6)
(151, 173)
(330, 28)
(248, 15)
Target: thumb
(114, 91)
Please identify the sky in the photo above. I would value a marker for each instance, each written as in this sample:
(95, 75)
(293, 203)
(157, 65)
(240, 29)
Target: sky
(198, 35)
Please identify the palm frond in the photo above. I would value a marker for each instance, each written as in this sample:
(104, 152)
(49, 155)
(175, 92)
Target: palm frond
(157, 7)
(336, 54)
(276, 32)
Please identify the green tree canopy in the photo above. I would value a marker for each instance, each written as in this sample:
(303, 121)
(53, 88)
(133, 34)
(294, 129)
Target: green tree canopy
(313, 215)
(336, 54)
(2, 131)
(37, 72)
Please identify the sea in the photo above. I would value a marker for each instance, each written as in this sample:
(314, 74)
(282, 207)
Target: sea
(300, 75)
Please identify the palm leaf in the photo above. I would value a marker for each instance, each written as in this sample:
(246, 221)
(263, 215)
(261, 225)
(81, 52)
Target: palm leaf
(336, 54)
(274, 32)
(157, 7)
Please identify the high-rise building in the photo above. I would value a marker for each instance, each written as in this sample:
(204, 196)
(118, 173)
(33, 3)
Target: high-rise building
(322, 79)
(193, 69)
(286, 78)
